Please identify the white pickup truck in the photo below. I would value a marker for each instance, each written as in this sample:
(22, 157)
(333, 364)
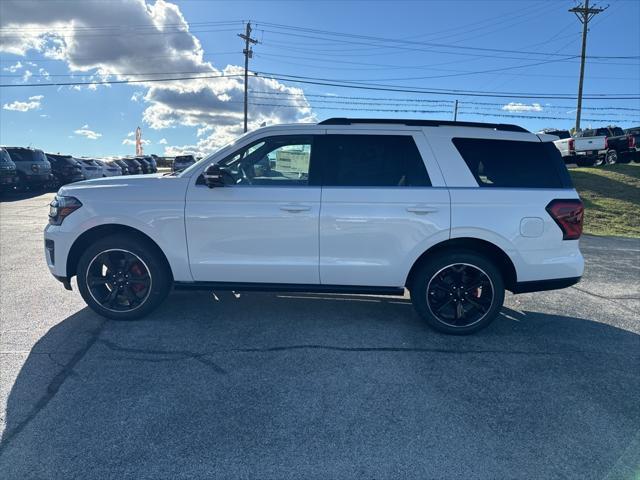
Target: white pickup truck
(586, 148)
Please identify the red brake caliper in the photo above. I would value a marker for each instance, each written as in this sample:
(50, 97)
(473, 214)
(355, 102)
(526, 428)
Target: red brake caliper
(138, 272)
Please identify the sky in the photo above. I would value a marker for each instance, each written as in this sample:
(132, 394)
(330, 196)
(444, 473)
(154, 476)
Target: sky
(175, 68)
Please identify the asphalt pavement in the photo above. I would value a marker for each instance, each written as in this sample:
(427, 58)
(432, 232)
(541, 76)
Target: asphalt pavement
(301, 386)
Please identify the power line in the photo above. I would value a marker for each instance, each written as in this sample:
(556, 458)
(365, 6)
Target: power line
(416, 43)
(397, 101)
(344, 84)
(415, 110)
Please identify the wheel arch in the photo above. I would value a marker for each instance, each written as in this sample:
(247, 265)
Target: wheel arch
(101, 231)
(483, 247)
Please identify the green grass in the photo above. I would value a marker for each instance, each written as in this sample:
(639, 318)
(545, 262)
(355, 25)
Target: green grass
(611, 197)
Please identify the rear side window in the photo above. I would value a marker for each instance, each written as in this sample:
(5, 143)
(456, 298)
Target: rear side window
(371, 161)
(514, 164)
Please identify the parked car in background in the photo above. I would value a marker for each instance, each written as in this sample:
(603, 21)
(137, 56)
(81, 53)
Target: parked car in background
(90, 168)
(180, 162)
(359, 205)
(610, 145)
(634, 143)
(109, 169)
(145, 165)
(34, 170)
(124, 168)
(8, 172)
(617, 143)
(148, 164)
(134, 166)
(65, 169)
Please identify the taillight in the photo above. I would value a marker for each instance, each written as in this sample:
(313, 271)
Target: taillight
(572, 145)
(632, 141)
(568, 214)
(606, 142)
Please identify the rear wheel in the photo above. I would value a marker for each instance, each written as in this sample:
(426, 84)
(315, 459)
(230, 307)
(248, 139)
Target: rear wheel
(458, 292)
(612, 157)
(123, 278)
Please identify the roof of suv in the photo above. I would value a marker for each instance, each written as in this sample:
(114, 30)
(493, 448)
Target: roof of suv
(423, 123)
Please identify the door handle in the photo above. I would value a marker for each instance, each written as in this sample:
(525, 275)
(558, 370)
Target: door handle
(418, 210)
(295, 208)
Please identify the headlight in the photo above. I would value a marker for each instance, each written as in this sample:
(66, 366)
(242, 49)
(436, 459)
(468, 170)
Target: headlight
(62, 207)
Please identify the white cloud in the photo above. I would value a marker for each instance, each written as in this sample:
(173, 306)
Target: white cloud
(162, 141)
(86, 132)
(26, 75)
(522, 107)
(131, 134)
(32, 103)
(212, 103)
(128, 141)
(13, 68)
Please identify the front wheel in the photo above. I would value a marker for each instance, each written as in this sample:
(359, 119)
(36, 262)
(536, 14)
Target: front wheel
(612, 157)
(458, 292)
(123, 278)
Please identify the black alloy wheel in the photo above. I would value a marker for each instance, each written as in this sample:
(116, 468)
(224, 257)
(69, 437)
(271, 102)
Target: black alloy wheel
(118, 280)
(457, 292)
(123, 277)
(460, 295)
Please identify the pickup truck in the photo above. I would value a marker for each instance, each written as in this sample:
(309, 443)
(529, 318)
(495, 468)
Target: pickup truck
(596, 146)
(617, 144)
(580, 150)
(634, 143)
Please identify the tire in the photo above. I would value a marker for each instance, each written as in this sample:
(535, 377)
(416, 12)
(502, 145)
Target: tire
(436, 303)
(611, 157)
(599, 161)
(136, 294)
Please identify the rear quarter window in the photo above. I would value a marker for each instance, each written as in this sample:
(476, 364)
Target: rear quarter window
(513, 164)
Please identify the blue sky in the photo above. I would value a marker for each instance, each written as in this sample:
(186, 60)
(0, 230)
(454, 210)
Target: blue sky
(495, 46)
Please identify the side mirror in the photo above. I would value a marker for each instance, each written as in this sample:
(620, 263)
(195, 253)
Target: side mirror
(213, 176)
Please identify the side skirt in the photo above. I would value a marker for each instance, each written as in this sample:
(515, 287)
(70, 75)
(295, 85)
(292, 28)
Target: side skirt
(288, 287)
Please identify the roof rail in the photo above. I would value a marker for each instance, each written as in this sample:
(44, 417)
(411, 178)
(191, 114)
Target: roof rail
(423, 123)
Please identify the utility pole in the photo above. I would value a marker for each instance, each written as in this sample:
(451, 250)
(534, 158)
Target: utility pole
(455, 111)
(584, 14)
(248, 53)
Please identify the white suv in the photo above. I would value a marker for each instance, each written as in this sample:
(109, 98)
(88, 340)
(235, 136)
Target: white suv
(455, 212)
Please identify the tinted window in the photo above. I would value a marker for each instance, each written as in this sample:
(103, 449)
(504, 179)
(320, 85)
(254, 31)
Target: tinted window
(371, 161)
(617, 131)
(20, 154)
(507, 163)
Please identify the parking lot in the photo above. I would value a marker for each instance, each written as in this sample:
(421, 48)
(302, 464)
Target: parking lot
(316, 386)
